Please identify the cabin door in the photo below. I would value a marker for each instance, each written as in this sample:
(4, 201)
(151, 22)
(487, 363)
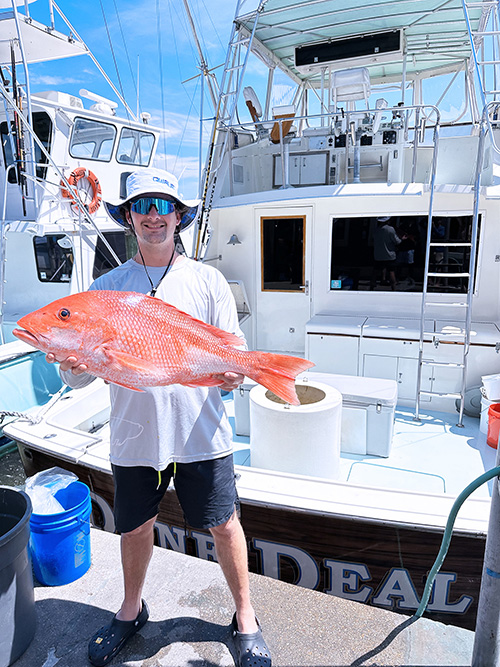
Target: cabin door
(283, 278)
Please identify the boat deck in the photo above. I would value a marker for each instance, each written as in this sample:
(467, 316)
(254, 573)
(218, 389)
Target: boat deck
(429, 465)
(431, 456)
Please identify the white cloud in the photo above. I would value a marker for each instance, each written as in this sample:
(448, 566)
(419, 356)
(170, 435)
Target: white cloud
(46, 80)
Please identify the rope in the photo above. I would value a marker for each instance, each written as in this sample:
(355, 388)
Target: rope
(34, 418)
(162, 88)
(19, 415)
(126, 49)
(113, 54)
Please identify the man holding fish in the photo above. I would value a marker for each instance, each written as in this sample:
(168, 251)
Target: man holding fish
(178, 431)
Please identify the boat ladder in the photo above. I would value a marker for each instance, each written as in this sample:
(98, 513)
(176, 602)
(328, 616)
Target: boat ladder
(461, 328)
(229, 92)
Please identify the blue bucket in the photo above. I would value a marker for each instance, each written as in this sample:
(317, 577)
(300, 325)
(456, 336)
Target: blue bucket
(60, 543)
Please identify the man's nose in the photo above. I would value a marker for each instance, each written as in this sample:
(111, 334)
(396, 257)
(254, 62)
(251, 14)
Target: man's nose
(153, 212)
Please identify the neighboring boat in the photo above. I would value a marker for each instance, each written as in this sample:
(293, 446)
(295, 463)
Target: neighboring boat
(294, 202)
(57, 157)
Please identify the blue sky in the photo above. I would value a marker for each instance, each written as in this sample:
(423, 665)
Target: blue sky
(166, 58)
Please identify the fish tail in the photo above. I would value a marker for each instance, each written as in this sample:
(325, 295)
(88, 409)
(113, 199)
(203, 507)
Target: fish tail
(277, 372)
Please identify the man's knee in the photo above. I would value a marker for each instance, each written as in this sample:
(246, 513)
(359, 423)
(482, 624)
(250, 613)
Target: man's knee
(142, 530)
(228, 527)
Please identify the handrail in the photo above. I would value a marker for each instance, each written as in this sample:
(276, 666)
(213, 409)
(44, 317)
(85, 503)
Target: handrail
(486, 121)
(348, 116)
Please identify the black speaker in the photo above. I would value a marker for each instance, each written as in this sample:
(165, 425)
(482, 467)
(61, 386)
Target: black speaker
(351, 47)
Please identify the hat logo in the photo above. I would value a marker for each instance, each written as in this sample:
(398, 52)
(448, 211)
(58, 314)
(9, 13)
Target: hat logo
(156, 179)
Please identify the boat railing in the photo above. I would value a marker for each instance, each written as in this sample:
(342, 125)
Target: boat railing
(490, 121)
(352, 124)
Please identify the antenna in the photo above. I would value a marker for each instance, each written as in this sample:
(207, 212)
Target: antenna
(137, 85)
(97, 98)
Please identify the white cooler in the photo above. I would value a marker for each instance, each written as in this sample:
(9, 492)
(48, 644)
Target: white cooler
(368, 406)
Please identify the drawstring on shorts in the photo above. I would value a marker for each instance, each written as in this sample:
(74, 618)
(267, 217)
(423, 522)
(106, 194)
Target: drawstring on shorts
(159, 475)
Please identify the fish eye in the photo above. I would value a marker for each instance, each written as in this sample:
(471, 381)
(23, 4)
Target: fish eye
(64, 314)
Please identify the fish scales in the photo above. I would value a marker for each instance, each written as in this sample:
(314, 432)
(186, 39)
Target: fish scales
(138, 341)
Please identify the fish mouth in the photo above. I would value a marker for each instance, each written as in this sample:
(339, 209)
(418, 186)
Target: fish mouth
(26, 336)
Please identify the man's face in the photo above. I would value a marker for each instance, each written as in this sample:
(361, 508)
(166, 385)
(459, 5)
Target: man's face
(153, 228)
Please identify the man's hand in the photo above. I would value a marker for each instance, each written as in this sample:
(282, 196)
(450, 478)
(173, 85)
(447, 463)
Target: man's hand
(68, 364)
(230, 380)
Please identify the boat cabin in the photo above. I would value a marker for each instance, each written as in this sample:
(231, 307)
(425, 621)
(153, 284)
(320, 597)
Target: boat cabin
(352, 201)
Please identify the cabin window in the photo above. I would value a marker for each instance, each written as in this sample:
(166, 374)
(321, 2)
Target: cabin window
(124, 246)
(54, 258)
(135, 147)
(92, 140)
(42, 126)
(283, 254)
(388, 253)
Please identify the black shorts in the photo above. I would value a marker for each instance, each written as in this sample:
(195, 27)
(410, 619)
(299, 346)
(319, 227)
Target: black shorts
(206, 492)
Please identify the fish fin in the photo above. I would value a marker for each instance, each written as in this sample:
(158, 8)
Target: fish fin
(121, 359)
(277, 373)
(223, 336)
(207, 381)
(127, 386)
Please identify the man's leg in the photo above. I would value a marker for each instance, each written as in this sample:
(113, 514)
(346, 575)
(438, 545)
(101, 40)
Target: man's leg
(136, 551)
(231, 548)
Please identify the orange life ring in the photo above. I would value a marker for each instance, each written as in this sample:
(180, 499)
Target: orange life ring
(76, 176)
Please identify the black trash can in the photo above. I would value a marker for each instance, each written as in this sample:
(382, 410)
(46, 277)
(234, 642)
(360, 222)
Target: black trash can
(17, 597)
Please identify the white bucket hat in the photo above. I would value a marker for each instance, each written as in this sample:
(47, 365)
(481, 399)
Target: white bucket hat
(151, 181)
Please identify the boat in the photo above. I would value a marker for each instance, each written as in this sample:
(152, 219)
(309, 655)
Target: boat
(59, 151)
(349, 130)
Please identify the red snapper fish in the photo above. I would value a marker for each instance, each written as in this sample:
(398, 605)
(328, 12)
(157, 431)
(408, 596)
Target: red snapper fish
(135, 341)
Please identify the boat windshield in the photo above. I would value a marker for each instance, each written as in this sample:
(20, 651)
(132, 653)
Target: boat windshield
(135, 147)
(92, 140)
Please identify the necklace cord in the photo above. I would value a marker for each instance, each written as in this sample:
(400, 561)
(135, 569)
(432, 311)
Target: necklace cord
(153, 288)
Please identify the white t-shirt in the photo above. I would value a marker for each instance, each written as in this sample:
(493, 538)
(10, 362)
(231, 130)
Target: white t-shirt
(172, 423)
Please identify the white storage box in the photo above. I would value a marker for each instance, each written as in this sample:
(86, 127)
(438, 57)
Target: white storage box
(368, 407)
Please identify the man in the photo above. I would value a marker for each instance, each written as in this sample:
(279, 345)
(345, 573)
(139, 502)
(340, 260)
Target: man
(170, 432)
(385, 243)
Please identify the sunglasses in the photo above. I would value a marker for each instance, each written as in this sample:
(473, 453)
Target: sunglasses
(143, 205)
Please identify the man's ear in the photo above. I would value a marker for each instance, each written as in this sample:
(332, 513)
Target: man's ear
(128, 219)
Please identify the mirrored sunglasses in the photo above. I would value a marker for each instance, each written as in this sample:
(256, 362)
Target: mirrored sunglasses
(143, 205)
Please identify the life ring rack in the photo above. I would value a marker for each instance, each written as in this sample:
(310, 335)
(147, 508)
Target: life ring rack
(73, 179)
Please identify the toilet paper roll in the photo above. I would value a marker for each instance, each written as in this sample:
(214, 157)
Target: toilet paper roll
(302, 439)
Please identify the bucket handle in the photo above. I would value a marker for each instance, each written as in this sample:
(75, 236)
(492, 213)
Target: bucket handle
(84, 525)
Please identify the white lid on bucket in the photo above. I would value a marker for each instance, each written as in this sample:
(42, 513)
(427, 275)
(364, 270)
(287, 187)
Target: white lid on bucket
(491, 384)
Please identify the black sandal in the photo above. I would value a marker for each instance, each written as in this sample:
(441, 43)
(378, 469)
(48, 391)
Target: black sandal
(251, 648)
(110, 639)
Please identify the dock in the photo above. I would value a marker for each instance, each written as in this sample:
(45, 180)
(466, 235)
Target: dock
(190, 615)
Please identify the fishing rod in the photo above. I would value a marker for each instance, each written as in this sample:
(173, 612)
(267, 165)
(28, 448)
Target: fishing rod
(18, 132)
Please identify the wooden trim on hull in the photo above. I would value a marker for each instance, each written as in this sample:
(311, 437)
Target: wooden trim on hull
(381, 564)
